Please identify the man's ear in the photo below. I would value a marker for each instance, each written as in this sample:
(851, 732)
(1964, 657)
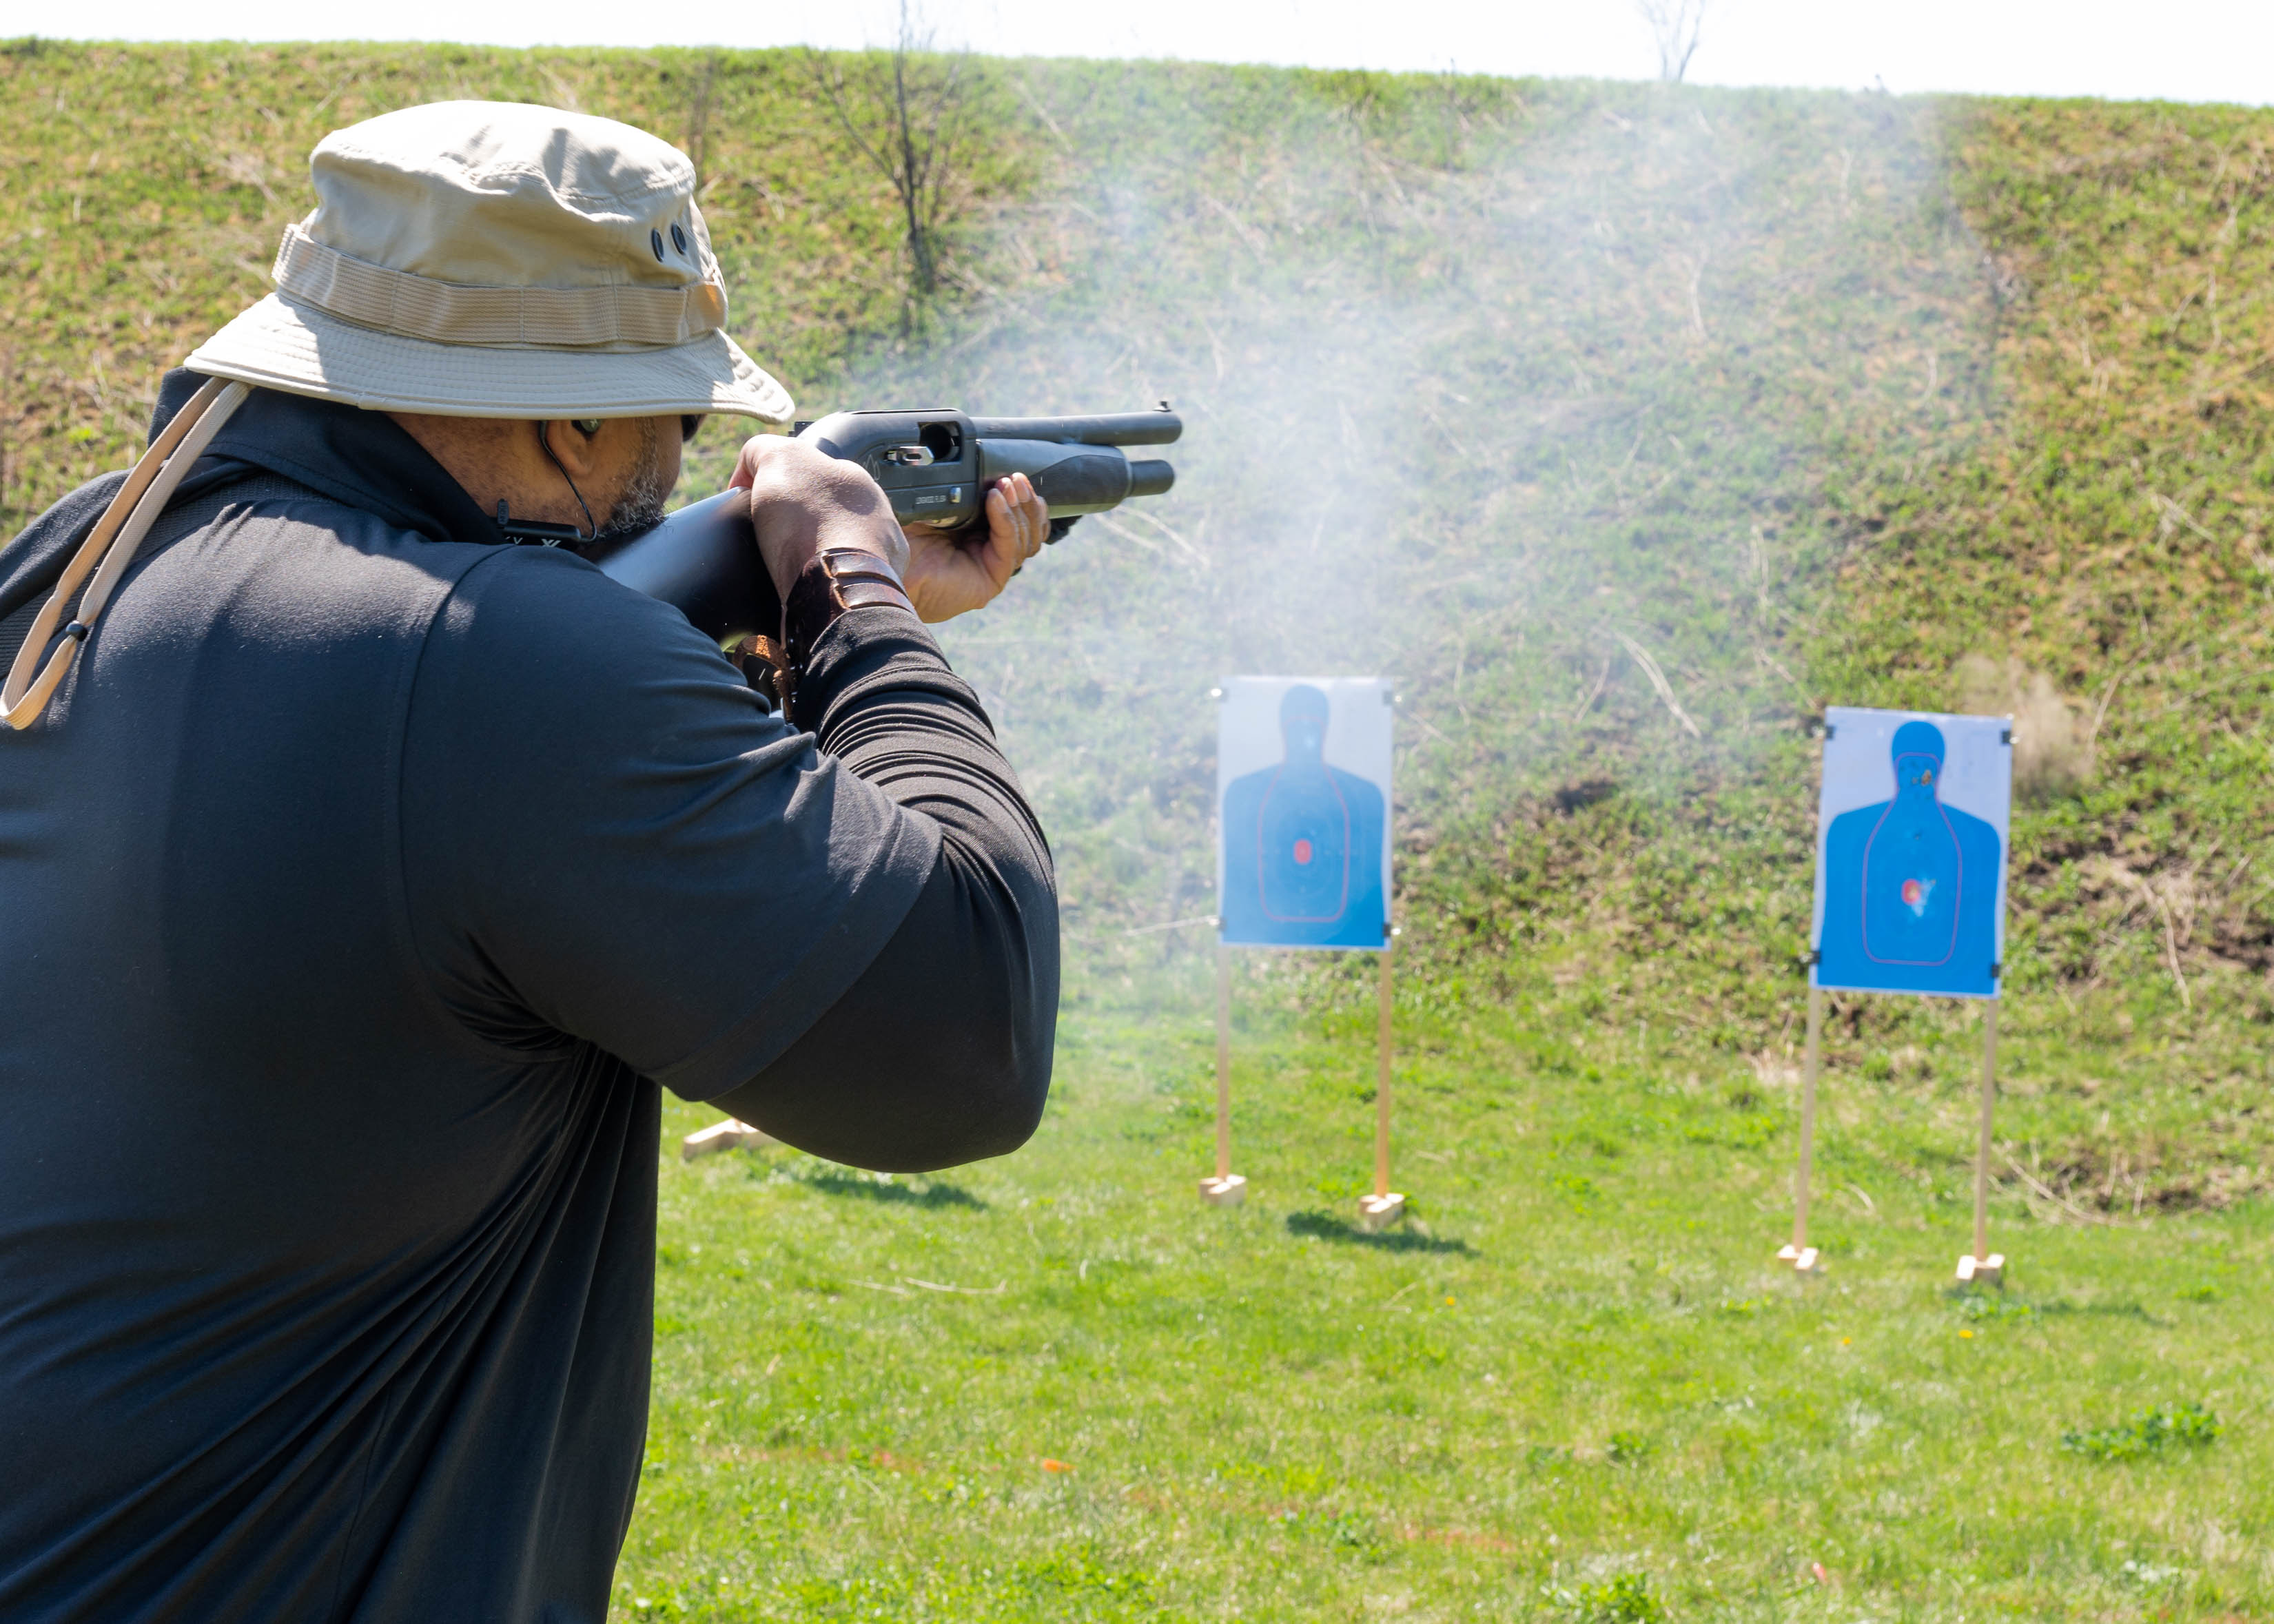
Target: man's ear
(574, 446)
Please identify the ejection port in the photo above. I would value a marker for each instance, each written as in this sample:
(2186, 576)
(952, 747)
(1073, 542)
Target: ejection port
(944, 441)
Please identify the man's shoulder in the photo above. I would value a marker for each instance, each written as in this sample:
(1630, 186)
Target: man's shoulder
(541, 633)
(30, 562)
(494, 591)
(258, 496)
(551, 592)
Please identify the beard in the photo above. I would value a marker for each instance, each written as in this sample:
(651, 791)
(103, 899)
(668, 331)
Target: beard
(639, 507)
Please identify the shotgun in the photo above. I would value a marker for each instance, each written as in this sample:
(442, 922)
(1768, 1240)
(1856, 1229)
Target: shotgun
(935, 467)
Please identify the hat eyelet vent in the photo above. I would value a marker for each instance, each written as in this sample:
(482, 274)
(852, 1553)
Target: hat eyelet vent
(655, 241)
(679, 241)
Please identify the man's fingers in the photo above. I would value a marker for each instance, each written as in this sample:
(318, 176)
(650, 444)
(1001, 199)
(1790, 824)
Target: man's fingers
(1025, 517)
(754, 451)
(1006, 544)
(1037, 516)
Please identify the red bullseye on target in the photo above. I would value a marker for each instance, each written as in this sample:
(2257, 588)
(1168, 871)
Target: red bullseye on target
(1302, 851)
(1914, 893)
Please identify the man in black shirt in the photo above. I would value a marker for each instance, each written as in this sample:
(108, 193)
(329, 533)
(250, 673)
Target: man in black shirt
(364, 877)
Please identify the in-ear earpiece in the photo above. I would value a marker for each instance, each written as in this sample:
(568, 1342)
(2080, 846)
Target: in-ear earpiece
(586, 427)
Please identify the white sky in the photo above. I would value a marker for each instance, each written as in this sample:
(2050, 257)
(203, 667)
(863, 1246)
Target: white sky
(2195, 50)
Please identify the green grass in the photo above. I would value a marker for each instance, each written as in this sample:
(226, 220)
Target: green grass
(1818, 399)
(1574, 1380)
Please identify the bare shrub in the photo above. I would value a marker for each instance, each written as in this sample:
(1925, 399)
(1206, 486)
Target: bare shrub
(910, 112)
(1673, 26)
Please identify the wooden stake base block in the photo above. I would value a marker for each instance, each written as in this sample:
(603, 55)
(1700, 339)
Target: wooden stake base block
(1990, 1270)
(1230, 1191)
(728, 1135)
(1803, 1259)
(1376, 1212)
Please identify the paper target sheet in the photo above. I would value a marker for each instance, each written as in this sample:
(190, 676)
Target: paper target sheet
(1910, 853)
(1303, 800)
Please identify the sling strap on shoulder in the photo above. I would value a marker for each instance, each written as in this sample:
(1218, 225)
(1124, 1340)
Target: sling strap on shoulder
(112, 543)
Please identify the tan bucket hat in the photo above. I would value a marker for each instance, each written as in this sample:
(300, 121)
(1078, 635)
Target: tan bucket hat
(471, 259)
(496, 259)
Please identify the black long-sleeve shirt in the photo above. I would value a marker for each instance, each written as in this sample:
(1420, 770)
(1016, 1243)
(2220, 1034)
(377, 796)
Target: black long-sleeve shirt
(358, 893)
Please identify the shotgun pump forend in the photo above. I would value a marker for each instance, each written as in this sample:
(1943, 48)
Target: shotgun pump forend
(935, 468)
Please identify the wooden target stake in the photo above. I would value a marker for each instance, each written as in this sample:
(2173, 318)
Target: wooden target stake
(1227, 1188)
(1798, 1252)
(1982, 1264)
(1384, 1206)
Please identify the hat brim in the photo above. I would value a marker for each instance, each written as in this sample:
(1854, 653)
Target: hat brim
(282, 344)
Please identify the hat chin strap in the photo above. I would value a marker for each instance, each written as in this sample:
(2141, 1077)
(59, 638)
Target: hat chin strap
(112, 544)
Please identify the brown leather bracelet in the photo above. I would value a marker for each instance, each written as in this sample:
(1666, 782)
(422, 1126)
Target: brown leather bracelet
(836, 579)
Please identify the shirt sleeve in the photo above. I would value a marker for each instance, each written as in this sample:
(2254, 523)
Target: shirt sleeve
(606, 838)
(940, 1052)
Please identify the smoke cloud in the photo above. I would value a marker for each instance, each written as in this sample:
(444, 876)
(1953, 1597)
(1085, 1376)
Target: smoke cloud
(1547, 401)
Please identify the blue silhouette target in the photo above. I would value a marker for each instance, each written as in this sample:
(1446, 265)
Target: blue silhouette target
(1911, 872)
(1303, 799)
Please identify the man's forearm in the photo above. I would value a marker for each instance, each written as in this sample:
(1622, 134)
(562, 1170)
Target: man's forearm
(940, 1052)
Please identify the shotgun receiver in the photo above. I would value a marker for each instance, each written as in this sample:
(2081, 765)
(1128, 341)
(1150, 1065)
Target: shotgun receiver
(935, 468)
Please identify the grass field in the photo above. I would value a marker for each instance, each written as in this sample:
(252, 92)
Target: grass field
(1573, 1389)
(1818, 399)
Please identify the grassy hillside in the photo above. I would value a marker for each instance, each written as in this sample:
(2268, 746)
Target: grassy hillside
(150, 187)
(2101, 560)
(1810, 400)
